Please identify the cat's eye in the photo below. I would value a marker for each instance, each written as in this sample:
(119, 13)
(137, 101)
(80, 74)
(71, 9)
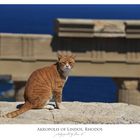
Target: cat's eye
(62, 62)
(70, 62)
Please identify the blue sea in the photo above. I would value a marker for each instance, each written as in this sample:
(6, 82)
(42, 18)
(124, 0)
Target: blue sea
(39, 19)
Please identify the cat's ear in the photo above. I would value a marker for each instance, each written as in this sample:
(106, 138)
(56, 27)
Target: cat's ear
(59, 56)
(73, 56)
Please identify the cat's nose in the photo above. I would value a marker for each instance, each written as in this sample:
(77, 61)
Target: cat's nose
(67, 65)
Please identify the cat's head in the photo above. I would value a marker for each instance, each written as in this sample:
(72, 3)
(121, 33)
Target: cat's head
(66, 62)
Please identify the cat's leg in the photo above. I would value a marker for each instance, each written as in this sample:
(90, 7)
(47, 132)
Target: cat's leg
(58, 100)
(40, 103)
(48, 106)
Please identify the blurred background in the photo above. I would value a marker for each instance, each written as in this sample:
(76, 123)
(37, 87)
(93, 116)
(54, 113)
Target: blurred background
(40, 19)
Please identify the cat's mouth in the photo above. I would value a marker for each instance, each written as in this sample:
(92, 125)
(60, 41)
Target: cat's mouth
(66, 69)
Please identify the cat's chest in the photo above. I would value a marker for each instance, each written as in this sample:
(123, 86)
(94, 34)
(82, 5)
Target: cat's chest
(59, 84)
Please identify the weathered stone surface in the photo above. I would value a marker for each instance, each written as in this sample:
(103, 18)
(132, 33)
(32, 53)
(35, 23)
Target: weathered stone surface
(130, 84)
(109, 26)
(76, 113)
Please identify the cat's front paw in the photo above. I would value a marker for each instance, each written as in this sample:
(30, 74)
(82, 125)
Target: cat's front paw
(49, 107)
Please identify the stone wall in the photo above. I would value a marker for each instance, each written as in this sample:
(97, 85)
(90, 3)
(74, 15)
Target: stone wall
(76, 113)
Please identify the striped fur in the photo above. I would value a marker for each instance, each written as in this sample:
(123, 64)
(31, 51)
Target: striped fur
(43, 82)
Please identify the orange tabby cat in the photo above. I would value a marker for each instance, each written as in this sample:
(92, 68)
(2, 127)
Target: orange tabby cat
(44, 83)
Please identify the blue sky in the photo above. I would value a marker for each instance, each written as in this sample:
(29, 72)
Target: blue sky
(40, 18)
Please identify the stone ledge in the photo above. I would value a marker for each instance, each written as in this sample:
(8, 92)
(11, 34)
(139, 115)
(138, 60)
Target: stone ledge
(76, 113)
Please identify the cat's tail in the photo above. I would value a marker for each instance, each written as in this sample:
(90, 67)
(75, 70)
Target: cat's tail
(25, 107)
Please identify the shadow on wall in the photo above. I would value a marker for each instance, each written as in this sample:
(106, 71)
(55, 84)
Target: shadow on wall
(71, 44)
(82, 45)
